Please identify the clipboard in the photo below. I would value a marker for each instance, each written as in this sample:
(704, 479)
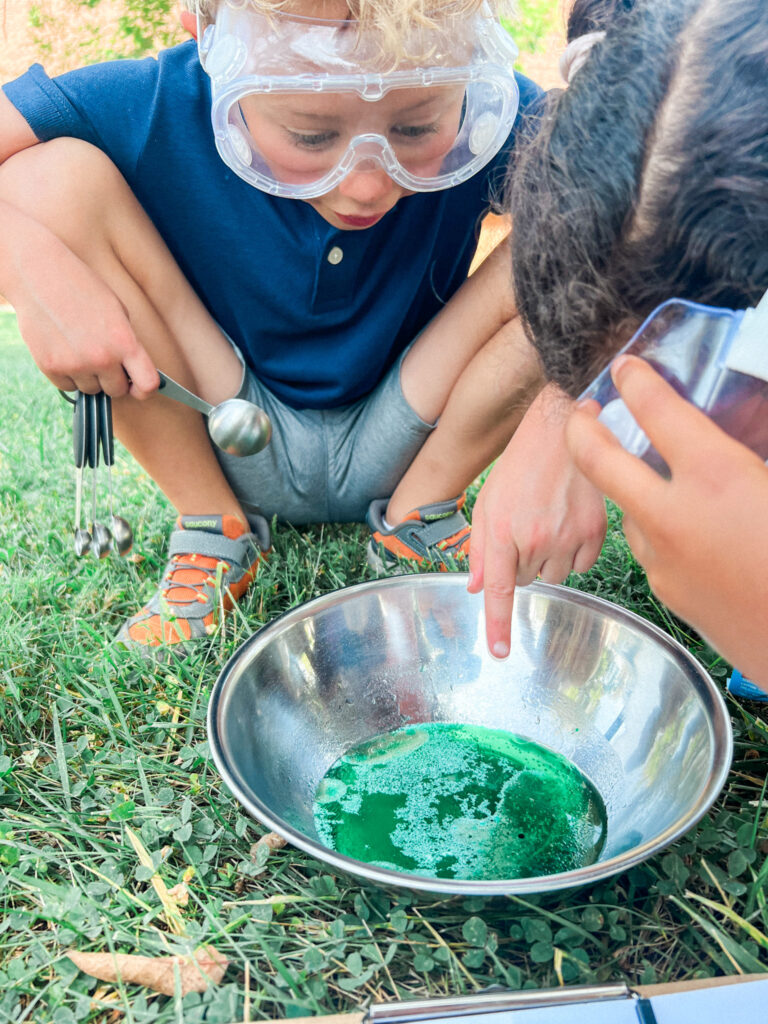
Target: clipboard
(701, 1001)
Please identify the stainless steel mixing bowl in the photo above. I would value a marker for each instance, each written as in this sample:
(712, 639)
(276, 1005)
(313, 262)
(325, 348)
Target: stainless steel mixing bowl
(614, 694)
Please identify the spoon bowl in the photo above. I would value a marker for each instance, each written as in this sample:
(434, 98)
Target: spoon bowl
(235, 426)
(122, 535)
(239, 427)
(101, 540)
(82, 542)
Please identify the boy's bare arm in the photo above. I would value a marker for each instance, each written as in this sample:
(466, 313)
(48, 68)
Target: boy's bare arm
(487, 298)
(15, 133)
(479, 310)
(73, 323)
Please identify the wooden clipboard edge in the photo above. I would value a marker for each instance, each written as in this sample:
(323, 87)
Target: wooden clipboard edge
(648, 991)
(331, 1018)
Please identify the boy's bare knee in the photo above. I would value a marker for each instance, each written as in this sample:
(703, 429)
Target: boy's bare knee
(62, 184)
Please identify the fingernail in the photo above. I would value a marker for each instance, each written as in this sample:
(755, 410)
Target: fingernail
(500, 649)
(617, 367)
(470, 581)
(583, 403)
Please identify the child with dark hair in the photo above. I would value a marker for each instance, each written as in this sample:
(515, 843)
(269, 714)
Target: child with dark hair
(648, 180)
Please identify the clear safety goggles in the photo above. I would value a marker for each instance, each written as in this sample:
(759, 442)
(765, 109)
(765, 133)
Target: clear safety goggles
(298, 104)
(715, 358)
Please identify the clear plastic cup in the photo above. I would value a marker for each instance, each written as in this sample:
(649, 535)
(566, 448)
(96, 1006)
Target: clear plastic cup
(715, 358)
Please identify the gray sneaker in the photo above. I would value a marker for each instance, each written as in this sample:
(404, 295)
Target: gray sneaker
(212, 562)
(433, 536)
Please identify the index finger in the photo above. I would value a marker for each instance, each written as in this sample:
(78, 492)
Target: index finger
(501, 560)
(674, 427)
(622, 477)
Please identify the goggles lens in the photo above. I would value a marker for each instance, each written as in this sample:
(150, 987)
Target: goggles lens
(300, 134)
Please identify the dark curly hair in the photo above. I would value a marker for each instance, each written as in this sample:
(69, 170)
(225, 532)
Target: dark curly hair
(594, 15)
(646, 179)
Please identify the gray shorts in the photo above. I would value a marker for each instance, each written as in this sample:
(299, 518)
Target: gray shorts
(327, 465)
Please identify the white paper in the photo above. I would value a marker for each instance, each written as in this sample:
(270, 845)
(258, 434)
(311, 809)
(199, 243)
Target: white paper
(747, 1002)
(748, 353)
(603, 1011)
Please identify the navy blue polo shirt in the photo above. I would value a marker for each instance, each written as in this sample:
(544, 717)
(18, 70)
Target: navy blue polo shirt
(320, 331)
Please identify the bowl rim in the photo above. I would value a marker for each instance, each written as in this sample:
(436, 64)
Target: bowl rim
(720, 724)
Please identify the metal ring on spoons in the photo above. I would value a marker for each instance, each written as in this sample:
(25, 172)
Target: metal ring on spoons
(236, 426)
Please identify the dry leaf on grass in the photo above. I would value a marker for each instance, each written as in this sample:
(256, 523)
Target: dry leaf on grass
(171, 908)
(270, 842)
(180, 894)
(196, 973)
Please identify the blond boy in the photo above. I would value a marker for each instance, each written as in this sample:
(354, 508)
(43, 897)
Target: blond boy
(286, 211)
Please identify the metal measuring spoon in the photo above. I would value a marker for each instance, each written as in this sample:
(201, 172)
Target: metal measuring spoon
(101, 538)
(82, 542)
(122, 534)
(236, 426)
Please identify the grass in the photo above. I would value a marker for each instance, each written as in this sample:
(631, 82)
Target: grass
(94, 744)
(95, 748)
(534, 21)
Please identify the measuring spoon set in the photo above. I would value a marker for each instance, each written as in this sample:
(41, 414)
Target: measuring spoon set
(92, 437)
(235, 426)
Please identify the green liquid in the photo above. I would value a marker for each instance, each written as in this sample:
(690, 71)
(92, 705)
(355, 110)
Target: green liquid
(460, 801)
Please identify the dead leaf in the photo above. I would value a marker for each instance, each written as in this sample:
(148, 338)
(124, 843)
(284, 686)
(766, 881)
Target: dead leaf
(196, 972)
(272, 841)
(103, 997)
(170, 906)
(180, 894)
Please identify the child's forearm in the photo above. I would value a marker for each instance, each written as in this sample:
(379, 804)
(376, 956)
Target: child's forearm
(74, 325)
(484, 303)
(15, 133)
(20, 235)
(25, 245)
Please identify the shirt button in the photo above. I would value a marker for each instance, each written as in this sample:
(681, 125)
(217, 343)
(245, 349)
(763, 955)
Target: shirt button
(335, 256)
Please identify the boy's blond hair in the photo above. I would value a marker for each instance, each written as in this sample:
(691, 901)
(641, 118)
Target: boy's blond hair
(392, 20)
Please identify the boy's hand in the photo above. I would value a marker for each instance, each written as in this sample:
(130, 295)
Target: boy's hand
(536, 515)
(701, 536)
(73, 324)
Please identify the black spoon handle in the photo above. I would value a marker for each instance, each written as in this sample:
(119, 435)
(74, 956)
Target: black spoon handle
(79, 429)
(92, 430)
(106, 434)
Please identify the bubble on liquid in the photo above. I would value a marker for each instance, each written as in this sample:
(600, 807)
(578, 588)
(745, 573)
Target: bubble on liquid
(330, 790)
